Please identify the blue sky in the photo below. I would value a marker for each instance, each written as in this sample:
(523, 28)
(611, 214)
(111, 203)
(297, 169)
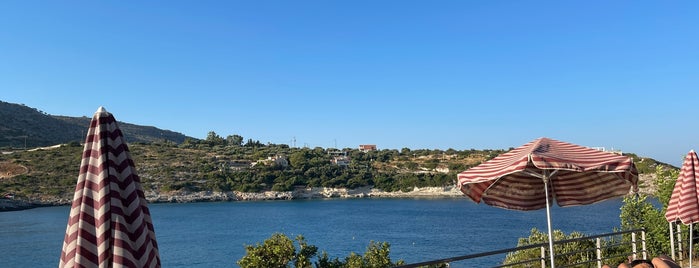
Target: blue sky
(415, 74)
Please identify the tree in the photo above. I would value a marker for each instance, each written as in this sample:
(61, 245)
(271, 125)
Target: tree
(566, 254)
(275, 252)
(279, 251)
(253, 143)
(235, 140)
(214, 139)
(299, 159)
(639, 212)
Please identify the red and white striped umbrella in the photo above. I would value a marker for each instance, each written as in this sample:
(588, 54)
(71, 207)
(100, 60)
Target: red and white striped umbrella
(109, 223)
(684, 202)
(531, 176)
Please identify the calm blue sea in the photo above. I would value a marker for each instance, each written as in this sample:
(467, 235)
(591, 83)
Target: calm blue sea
(214, 234)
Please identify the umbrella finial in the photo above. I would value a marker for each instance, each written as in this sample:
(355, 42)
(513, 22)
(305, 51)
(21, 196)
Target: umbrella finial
(101, 110)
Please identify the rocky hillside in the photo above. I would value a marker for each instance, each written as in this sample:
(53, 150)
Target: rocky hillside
(175, 169)
(26, 127)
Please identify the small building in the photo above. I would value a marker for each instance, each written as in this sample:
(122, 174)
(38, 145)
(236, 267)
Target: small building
(341, 160)
(603, 149)
(278, 160)
(367, 147)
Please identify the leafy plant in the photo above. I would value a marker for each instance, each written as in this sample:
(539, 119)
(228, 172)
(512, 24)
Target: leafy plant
(566, 253)
(279, 251)
(639, 212)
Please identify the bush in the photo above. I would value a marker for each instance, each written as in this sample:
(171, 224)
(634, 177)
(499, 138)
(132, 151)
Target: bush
(565, 254)
(276, 251)
(279, 251)
(638, 212)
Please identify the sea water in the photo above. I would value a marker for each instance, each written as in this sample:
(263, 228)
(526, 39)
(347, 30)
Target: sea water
(215, 234)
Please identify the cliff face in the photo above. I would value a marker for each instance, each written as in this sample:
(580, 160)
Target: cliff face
(646, 184)
(12, 205)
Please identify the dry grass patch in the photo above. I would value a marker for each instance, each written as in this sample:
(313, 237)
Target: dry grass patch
(9, 169)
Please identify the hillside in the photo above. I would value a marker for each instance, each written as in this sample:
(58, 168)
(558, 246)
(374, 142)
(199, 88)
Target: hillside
(169, 164)
(26, 127)
(48, 176)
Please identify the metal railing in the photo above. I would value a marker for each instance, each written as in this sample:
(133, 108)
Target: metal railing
(601, 252)
(680, 243)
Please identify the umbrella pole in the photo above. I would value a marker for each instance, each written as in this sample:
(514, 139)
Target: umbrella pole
(672, 241)
(690, 244)
(548, 219)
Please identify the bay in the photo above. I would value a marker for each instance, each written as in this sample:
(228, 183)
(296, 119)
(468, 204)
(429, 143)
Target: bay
(215, 234)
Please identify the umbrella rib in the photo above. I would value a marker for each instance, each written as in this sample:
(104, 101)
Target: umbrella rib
(553, 193)
(533, 174)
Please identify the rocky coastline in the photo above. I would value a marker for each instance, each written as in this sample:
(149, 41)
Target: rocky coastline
(14, 205)
(646, 182)
(301, 193)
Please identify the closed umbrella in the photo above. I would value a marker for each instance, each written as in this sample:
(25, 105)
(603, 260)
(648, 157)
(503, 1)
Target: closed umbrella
(531, 176)
(109, 223)
(684, 202)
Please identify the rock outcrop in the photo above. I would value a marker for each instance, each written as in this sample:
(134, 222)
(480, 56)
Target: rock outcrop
(301, 193)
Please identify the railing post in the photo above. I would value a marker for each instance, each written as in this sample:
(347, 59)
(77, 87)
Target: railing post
(643, 244)
(543, 257)
(599, 252)
(633, 245)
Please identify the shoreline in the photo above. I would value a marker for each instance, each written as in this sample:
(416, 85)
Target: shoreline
(299, 194)
(233, 196)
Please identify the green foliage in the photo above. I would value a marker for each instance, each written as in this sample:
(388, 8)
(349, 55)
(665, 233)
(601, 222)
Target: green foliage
(234, 140)
(665, 183)
(214, 139)
(565, 253)
(376, 255)
(221, 165)
(275, 252)
(639, 212)
(279, 251)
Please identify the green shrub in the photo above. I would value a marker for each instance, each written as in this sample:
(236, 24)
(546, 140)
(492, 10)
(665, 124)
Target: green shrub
(279, 251)
(565, 253)
(275, 252)
(639, 212)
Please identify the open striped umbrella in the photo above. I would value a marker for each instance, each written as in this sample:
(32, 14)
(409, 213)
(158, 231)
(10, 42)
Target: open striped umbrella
(109, 223)
(531, 176)
(684, 202)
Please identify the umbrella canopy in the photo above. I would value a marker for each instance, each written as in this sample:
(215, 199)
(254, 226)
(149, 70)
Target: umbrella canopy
(684, 202)
(531, 176)
(583, 175)
(109, 223)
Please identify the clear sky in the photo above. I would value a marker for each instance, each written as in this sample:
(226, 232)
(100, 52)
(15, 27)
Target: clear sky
(417, 74)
